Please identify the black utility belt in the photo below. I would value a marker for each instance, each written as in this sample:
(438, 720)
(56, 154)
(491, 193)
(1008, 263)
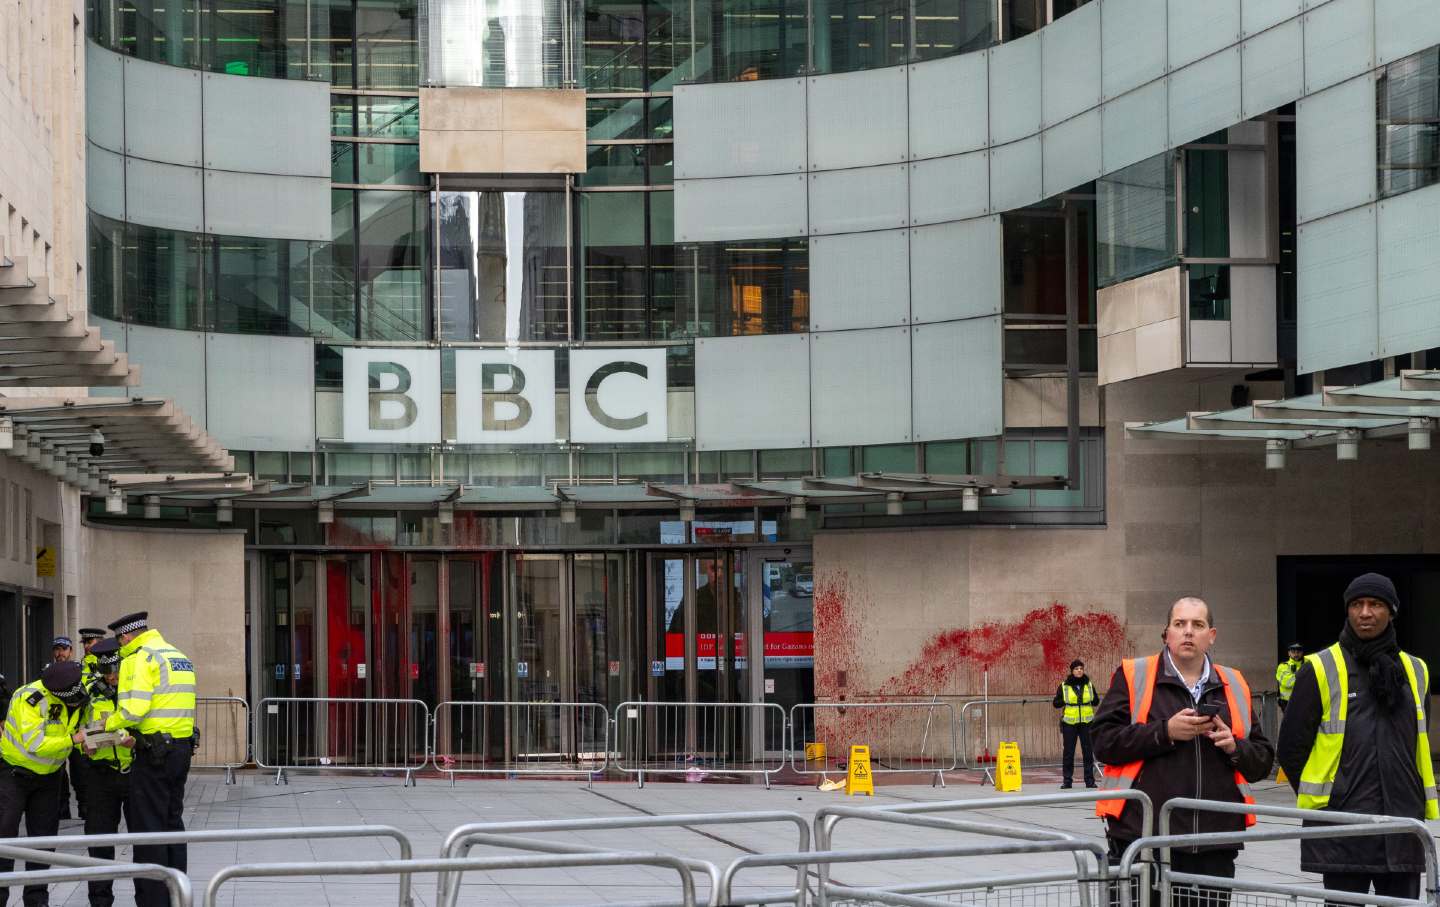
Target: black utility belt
(107, 765)
(161, 739)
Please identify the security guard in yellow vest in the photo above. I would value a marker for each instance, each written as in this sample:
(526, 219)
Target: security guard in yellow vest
(108, 774)
(1354, 740)
(156, 703)
(1077, 700)
(34, 743)
(1287, 671)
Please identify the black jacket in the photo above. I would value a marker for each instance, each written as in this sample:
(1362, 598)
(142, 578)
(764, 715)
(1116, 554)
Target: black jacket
(1189, 769)
(1079, 683)
(1377, 774)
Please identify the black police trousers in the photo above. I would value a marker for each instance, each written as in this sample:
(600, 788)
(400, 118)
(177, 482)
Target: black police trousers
(106, 790)
(37, 799)
(79, 775)
(157, 798)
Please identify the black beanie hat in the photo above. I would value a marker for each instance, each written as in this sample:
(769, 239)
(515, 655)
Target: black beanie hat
(1077, 663)
(1373, 585)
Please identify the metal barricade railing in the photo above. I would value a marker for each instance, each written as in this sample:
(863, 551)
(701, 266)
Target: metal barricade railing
(215, 836)
(902, 736)
(1266, 706)
(406, 868)
(223, 723)
(521, 738)
(509, 834)
(333, 734)
(176, 882)
(698, 738)
(1030, 721)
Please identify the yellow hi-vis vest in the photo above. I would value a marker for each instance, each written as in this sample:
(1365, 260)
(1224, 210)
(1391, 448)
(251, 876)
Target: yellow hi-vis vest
(1285, 675)
(157, 688)
(1079, 707)
(101, 707)
(1318, 776)
(89, 668)
(38, 730)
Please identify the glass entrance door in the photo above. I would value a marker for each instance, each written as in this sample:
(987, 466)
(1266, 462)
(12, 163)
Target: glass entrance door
(784, 584)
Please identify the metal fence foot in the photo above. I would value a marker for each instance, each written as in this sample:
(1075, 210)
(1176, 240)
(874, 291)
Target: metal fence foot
(767, 780)
(452, 779)
(280, 776)
(410, 779)
(639, 780)
(229, 775)
(939, 779)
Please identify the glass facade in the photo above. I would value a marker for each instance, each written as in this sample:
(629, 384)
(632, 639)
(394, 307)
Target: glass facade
(534, 44)
(1135, 219)
(1408, 127)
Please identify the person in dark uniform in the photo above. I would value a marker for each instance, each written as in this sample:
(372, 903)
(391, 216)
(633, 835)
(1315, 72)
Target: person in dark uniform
(89, 636)
(109, 766)
(61, 649)
(155, 703)
(33, 747)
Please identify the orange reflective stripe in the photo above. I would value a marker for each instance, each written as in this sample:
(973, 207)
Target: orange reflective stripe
(1124, 775)
(1237, 697)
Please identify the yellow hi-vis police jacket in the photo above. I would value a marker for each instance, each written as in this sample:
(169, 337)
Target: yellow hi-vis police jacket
(101, 707)
(38, 730)
(89, 669)
(157, 688)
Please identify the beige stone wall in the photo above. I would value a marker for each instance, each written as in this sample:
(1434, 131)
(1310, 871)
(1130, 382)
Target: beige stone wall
(191, 581)
(42, 142)
(923, 611)
(502, 130)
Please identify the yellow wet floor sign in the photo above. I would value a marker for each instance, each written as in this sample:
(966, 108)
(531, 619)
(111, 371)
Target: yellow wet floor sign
(1280, 777)
(1007, 777)
(857, 772)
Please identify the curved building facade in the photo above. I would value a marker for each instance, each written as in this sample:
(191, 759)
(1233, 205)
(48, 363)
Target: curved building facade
(578, 346)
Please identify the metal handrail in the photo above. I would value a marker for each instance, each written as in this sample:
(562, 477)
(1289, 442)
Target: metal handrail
(945, 730)
(460, 839)
(407, 867)
(175, 881)
(416, 713)
(586, 762)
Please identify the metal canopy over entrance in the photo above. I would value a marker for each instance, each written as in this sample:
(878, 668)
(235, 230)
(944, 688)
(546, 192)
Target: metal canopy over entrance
(1406, 406)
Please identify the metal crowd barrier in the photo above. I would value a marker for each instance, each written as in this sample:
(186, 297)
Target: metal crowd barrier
(224, 726)
(521, 738)
(1031, 721)
(334, 734)
(698, 738)
(207, 836)
(506, 834)
(902, 736)
(406, 868)
(1266, 706)
(176, 882)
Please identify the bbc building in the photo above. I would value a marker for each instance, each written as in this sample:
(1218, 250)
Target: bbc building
(584, 351)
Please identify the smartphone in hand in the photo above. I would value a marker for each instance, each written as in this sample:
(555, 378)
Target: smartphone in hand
(1208, 709)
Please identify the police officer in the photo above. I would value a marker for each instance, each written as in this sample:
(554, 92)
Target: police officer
(33, 746)
(89, 636)
(109, 766)
(1287, 671)
(156, 703)
(61, 649)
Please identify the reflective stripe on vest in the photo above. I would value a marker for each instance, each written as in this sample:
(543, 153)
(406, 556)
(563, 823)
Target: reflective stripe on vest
(1079, 707)
(1140, 675)
(1332, 676)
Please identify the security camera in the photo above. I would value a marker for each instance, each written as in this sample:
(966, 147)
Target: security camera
(97, 444)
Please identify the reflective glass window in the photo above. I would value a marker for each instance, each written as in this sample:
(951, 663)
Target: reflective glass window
(505, 469)
(615, 118)
(106, 238)
(1408, 132)
(1052, 458)
(617, 165)
(387, 118)
(386, 48)
(785, 464)
(1209, 292)
(359, 468)
(651, 466)
(837, 461)
(384, 164)
(330, 272)
(249, 37)
(342, 114)
(163, 285)
(889, 458)
(260, 286)
(748, 287)
(390, 265)
(1021, 17)
(1034, 250)
(751, 39)
(503, 266)
(342, 162)
(161, 31)
(946, 27)
(947, 458)
(614, 285)
(502, 45)
(860, 34)
(1135, 219)
(1207, 202)
(614, 56)
(330, 48)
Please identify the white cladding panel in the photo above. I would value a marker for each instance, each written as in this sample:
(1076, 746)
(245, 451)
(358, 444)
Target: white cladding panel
(1337, 310)
(740, 128)
(1404, 27)
(105, 182)
(1132, 44)
(266, 125)
(1015, 72)
(1134, 127)
(752, 392)
(260, 391)
(618, 395)
(1339, 42)
(1335, 149)
(768, 207)
(162, 112)
(860, 387)
(870, 198)
(1198, 30)
(950, 188)
(259, 204)
(1015, 174)
(1071, 64)
(859, 280)
(164, 195)
(104, 97)
(172, 365)
(505, 396)
(949, 105)
(956, 270)
(1205, 97)
(1258, 15)
(406, 409)
(1274, 68)
(858, 119)
(1408, 235)
(1071, 153)
(957, 379)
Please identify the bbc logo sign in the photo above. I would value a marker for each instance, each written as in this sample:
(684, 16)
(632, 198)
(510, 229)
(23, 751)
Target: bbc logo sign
(504, 396)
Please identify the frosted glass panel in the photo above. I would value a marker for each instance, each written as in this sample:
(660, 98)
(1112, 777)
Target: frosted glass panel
(1339, 38)
(105, 98)
(1072, 67)
(1337, 312)
(1409, 239)
(267, 125)
(1258, 15)
(955, 270)
(1015, 175)
(105, 182)
(278, 207)
(1404, 27)
(870, 198)
(1274, 69)
(949, 104)
(740, 128)
(172, 365)
(1335, 149)
(1133, 45)
(860, 280)
(261, 391)
(1015, 89)
(957, 379)
(752, 392)
(950, 188)
(860, 387)
(858, 119)
(1204, 97)
(753, 207)
(164, 195)
(162, 112)
(1072, 153)
(1200, 29)
(1134, 127)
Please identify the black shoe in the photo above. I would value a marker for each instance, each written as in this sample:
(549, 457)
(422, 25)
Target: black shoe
(1066, 785)
(1092, 785)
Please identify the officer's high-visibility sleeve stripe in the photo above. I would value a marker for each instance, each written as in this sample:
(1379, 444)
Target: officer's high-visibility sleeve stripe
(57, 743)
(134, 700)
(41, 754)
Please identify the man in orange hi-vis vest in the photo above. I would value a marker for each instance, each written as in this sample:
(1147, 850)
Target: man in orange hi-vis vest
(1177, 724)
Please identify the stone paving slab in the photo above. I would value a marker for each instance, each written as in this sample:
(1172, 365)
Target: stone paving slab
(428, 812)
